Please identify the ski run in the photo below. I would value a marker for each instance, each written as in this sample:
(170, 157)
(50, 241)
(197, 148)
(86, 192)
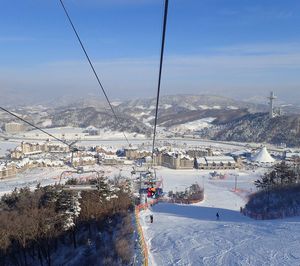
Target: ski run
(191, 234)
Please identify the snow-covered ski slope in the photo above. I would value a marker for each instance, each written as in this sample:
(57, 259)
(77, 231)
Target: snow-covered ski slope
(191, 235)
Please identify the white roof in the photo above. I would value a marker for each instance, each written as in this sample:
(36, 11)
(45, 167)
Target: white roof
(263, 156)
(292, 154)
(91, 128)
(109, 149)
(240, 152)
(106, 156)
(148, 158)
(201, 160)
(218, 159)
(85, 159)
(133, 148)
(23, 162)
(187, 157)
(50, 162)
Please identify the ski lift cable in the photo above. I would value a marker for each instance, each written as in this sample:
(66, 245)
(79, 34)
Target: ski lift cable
(36, 127)
(92, 67)
(160, 73)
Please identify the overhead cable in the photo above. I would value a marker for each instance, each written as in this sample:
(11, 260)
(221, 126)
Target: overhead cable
(36, 127)
(93, 69)
(160, 73)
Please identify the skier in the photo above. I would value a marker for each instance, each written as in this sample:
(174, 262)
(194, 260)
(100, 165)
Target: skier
(218, 216)
(151, 218)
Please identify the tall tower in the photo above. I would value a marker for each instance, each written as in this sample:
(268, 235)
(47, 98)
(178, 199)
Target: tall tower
(271, 103)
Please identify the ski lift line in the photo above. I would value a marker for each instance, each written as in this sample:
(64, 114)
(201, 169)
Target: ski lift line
(92, 67)
(160, 73)
(36, 127)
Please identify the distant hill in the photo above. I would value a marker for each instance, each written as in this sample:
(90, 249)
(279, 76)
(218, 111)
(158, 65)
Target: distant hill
(178, 109)
(209, 116)
(86, 116)
(192, 102)
(257, 127)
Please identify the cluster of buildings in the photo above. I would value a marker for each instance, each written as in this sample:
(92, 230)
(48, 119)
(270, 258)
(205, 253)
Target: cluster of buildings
(53, 154)
(184, 159)
(14, 127)
(31, 155)
(26, 149)
(92, 131)
(217, 162)
(292, 156)
(11, 168)
(174, 160)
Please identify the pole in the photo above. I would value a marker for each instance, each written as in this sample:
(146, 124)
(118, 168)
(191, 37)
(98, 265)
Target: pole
(140, 188)
(235, 186)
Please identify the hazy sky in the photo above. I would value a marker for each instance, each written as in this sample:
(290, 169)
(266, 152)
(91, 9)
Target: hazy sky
(240, 48)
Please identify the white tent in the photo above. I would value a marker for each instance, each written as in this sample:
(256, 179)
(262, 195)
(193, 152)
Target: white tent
(263, 156)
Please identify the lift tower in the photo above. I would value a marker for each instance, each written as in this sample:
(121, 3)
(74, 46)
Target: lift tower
(271, 103)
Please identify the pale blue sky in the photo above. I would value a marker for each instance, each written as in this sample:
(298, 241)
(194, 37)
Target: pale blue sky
(239, 48)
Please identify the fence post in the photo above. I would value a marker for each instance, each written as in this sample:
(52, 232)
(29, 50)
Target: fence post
(141, 237)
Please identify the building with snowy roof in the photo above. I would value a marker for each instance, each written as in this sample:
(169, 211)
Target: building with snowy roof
(245, 153)
(92, 131)
(33, 148)
(216, 162)
(292, 155)
(14, 127)
(131, 153)
(48, 163)
(7, 169)
(263, 157)
(197, 152)
(176, 160)
(85, 160)
(106, 150)
(112, 160)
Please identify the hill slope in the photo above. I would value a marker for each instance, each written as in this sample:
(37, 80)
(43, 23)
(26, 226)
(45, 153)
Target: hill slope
(257, 128)
(86, 116)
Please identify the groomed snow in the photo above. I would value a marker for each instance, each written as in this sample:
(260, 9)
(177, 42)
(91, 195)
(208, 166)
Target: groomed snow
(194, 125)
(191, 235)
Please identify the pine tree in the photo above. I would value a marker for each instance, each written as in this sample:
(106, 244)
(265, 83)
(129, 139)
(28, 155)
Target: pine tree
(281, 174)
(68, 204)
(266, 181)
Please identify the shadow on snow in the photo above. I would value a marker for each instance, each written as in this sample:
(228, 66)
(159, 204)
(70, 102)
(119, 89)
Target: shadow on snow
(209, 213)
(200, 212)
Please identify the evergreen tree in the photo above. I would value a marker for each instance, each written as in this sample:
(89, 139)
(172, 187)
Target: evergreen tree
(69, 206)
(281, 174)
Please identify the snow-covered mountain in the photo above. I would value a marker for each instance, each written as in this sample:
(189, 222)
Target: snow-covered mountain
(209, 116)
(181, 109)
(258, 128)
(191, 102)
(87, 116)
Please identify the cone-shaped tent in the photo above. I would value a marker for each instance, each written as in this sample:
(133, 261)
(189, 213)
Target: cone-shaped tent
(263, 156)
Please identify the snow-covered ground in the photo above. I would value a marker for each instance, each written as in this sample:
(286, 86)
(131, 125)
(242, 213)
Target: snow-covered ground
(5, 146)
(30, 178)
(73, 133)
(49, 176)
(191, 235)
(194, 125)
